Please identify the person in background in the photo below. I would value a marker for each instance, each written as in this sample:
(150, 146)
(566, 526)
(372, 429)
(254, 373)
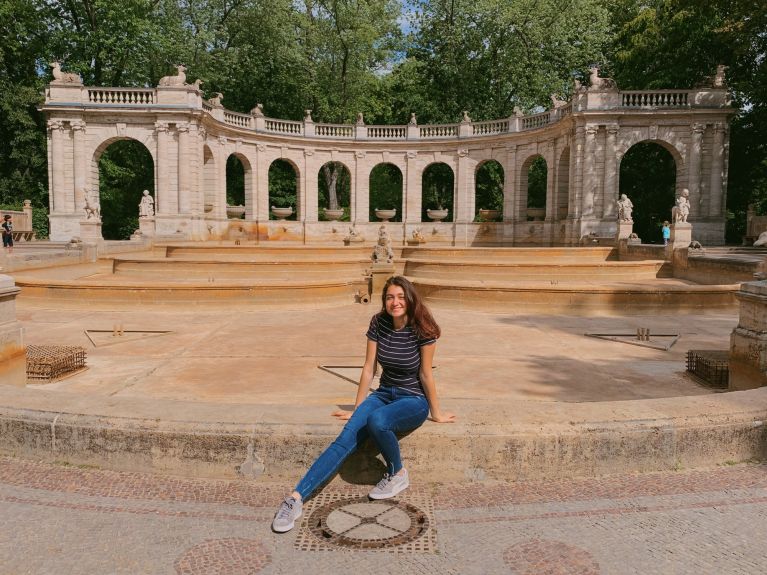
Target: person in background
(666, 230)
(7, 226)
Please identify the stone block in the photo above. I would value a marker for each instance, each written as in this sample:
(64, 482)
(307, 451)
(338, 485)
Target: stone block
(748, 342)
(13, 359)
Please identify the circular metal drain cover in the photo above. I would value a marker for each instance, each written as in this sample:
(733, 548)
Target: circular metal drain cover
(363, 524)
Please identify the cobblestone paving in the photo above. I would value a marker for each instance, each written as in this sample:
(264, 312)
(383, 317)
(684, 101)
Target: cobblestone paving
(64, 520)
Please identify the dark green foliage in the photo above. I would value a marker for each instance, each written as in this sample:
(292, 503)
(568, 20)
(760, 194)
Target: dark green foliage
(386, 190)
(648, 178)
(235, 181)
(437, 185)
(489, 185)
(536, 183)
(126, 169)
(283, 186)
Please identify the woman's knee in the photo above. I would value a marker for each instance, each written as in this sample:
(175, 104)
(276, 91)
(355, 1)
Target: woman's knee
(377, 422)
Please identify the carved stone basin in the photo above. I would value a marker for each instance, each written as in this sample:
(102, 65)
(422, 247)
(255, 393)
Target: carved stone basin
(385, 215)
(436, 215)
(489, 215)
(235, 212)
(334, 215)
(282, 213)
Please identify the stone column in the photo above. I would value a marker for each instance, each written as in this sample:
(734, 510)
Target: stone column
(611, 173)
(220, 155)
(13, 355)
(576, 176)
(79, 170)
(551, 177)
(464, 200)
(163, 204)
(693, 173)
(412, 191)
(717, 172)
(58, 194)
(589, 172)
(510, 207)
(184, 193)
(748, 341)
(262, 184)
(361, 193)
(310, 188)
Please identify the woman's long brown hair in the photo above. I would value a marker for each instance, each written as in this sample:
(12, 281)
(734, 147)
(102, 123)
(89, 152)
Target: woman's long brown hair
(418, 315)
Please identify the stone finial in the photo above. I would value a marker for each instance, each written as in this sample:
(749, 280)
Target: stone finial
(465, 119)
(215, 101)
(258, 111)
(308, 116)
(60, 77)
(413, 121)
(178, 80)
(518, 113)
(360, 119)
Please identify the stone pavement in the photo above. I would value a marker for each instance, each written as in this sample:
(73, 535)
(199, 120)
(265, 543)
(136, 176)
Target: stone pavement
(66, 520)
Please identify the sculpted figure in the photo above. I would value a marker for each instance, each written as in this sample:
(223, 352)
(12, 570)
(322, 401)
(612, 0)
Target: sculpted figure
(360, 119)
(177, 80)
(383, 252)
(60, 77)
(146, 205)
(625, 209)
(413, 121)
(92, 208)
(681, 210)
(761, 241)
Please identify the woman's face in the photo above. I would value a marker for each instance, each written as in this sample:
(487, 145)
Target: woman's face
(396, 304)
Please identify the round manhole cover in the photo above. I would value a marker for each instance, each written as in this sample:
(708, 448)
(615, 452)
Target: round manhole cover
(363, 524)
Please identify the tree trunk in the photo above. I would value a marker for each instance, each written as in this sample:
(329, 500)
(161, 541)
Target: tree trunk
(330, 171)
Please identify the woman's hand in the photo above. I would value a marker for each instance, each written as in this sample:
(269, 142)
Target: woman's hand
(444, 417)
(342, 414)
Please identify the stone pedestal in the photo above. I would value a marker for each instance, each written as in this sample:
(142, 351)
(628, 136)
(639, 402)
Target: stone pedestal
(90, 231)
(748, 341)
(381, 272)
(624, 230)
(681, 235)
(146, 226)
(13, 354)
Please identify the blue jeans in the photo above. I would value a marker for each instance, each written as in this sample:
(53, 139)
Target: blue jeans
(381, 416)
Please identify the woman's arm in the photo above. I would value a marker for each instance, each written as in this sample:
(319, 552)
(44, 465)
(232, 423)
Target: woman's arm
(430, 388)
(366, 378)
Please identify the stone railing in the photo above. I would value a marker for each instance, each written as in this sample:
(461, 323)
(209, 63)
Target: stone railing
(432, 131)
(284, 127)
(130, 96)
(237, 119)
(655, 99)
(334, 131)
(536, 120)
(490, 128)
(387, 132)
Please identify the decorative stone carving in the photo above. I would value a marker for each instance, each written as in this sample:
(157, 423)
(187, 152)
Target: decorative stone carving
(698, 128)
(60, 77)
(417, 237)
(411, 155)
(182, 127)
(413, 121)
(308, 116)
(197, 83)
(77, 125)
(354, 236)
(653, 131)
(178, 80)
(258, 111)
(308, 152)
(223, 140)
(261, 147)
(360, 119)
(681, 210)
(462, 152)
(517, 112)
(359, 155)
(215, 101)
(92, 207)
(55, 125)
(600, 84)
(761, 241)
(146, 205)
(465, 119)
(160, 127)
(382, 253)
(625, 209)
(720, 79)
(556, 102)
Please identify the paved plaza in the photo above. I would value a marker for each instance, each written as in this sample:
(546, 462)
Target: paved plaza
(66, 520)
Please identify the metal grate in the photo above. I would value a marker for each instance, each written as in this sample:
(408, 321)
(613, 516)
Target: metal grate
(711, 366)
(336, 520)
(47, 363)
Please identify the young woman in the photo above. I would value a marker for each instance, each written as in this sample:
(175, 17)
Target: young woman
(402, 338)
(7, 229)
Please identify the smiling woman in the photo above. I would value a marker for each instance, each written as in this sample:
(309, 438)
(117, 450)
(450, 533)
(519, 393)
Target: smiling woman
(402, 338)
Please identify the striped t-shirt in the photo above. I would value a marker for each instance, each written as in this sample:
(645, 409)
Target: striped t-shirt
(399, 353)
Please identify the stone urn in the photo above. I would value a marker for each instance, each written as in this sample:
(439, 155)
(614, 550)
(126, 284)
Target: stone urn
(282, 213)
(385, 215)
(235, 212)
(334, 215)
(489, 215)
(536, 214)
(436, 215)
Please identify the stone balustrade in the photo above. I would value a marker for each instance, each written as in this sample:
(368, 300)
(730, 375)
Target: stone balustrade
(129, 96)
(655, 99)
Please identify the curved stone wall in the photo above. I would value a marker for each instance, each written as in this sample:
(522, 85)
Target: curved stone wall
(582, 142)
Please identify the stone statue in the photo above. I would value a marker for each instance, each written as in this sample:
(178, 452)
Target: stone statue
(146, 205)
(418, 236)
(625, 209)
(720, 80)
(92, 207)
(556, 102)
(465, 119)
(308, 116)
(354, 236)
(177, 80)
(761, 241)
(383, 253)
(60, 77)
(413, 121)
(215, 101)
(598, 84)
(360, 119)
(258, 111)
(681, 210)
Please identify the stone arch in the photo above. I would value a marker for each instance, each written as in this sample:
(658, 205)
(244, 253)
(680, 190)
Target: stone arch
(239, 184)
(131, 194)
(533, 187)
(387, 182)
(489, 178)
(284, 189)
(562, 195)
(649, 175)
(338, 172)
(438, 189)
(676, 149)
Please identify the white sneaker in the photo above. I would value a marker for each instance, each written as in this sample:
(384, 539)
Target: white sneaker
(285, 518)
(390, 486)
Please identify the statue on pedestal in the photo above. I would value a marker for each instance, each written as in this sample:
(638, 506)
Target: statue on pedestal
(383, 253)
(92, 207)
(625, 209)
(146, 205)
(681, 210)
